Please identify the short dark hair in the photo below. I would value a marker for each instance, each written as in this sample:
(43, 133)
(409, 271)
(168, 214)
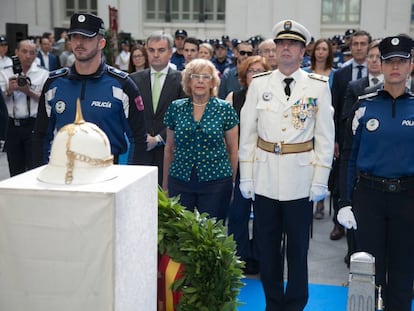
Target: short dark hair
(192, 41)
(361, 33)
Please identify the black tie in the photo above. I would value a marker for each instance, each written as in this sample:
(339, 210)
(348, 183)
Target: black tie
(288, 81)
(359, 75)
(374, 81)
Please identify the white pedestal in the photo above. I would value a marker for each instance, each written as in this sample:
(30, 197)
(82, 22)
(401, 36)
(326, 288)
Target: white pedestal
(71, 248)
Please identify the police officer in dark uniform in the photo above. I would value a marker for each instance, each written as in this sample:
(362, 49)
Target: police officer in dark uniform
(177, 57)
(379, 195)
(109, 98)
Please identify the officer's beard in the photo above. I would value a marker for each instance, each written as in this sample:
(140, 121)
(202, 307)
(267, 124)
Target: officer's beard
(86, 57)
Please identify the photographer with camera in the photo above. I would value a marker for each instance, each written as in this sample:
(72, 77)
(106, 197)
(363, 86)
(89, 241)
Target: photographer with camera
(21, 85)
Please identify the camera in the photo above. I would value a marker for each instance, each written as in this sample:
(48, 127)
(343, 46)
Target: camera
(22, 80)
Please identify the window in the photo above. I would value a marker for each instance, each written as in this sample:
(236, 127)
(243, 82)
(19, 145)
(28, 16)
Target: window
(341, 11)
(186, 10)
(83, 6)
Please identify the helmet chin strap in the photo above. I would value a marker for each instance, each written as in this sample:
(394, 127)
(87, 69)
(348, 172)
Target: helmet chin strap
(71, 129)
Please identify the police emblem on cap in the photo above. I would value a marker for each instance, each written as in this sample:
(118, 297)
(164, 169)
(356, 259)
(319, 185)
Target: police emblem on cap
(396, 46)
(287, 25)
(395, 41)
(81, 18)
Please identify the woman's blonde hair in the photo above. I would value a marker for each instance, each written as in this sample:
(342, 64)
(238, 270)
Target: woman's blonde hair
(196, 66)
(209, 48)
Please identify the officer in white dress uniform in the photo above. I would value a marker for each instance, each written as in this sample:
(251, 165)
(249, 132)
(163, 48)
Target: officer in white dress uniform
(286, 151)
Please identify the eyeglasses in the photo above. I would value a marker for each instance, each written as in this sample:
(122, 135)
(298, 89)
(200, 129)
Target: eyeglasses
(254, 71)
(202, 77)
(248, 53)
(137, 56)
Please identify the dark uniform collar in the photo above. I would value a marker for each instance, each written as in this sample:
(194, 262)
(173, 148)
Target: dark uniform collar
(385, 94)
(73, 74)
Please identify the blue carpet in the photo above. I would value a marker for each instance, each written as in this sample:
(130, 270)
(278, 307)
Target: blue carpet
(321, 297)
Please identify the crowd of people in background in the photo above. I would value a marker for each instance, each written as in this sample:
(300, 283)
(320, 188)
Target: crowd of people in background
(54, 54)
(184, 84)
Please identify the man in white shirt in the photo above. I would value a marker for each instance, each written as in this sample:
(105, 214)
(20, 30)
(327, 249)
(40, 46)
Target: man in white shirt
(122, 60)
(21, 87)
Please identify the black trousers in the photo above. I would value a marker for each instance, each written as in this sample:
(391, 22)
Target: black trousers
(386, 230)
(294, 218)
(155, 157)
(19, 145)
(212, 197)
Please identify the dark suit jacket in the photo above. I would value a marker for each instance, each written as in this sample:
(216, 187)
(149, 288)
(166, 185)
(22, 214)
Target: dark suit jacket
(354, 89)
(54, 62)
(339, 84)
(171, 90)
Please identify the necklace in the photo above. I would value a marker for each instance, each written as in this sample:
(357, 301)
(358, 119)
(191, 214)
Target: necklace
(200, 105)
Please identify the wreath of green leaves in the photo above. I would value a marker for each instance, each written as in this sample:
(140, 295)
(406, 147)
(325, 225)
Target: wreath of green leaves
(212, 271)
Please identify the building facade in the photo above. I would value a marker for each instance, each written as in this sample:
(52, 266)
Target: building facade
(209, 19)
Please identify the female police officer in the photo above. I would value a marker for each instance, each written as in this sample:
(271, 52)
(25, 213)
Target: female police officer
(380, 176)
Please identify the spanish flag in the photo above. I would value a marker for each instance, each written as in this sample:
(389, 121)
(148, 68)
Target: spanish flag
(168, 272)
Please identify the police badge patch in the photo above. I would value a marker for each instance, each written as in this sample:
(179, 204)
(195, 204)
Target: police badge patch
(267, 96)
(60, 106)
(372, 125)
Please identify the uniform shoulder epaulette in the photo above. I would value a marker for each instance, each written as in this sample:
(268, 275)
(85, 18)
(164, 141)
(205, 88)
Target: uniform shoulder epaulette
(116, 72)
(318, 77)
(369, 95)
(59, 72)
(262, 74)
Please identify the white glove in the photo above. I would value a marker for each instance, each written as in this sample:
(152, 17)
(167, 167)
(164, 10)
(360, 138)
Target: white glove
(247, 188)
(318, 192)
(346, 217)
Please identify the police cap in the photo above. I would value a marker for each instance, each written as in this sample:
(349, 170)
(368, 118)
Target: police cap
(291, 30)
(86, 24)
(349, 32)
(181, 33)
(397, 46)
(220, 44)
(235, 42)
(3, 40)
